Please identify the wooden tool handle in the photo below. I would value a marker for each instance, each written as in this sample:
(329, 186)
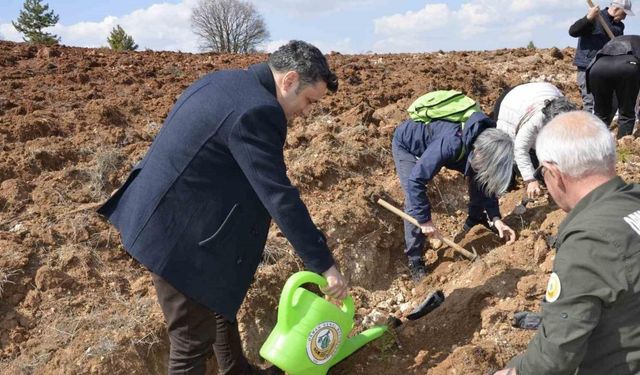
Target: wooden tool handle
(603, 23)
(413, 221)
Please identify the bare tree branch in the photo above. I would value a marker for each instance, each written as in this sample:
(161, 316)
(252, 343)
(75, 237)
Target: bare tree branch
(232, 26)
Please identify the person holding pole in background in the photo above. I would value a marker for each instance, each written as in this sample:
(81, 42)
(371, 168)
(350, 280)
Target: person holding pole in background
(593, 31)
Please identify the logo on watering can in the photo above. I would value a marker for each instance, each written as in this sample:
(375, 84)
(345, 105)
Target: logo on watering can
(323, 342)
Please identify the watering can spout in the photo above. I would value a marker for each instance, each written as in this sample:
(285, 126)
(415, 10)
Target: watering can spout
(356, 342)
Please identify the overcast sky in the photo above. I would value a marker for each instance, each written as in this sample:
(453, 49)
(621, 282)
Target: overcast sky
(346, 26)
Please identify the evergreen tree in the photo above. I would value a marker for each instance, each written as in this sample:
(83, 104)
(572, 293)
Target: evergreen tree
(32, 19)
(120, 41)
(531, 45)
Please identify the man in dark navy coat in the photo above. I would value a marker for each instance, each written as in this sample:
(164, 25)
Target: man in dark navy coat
(196, 210)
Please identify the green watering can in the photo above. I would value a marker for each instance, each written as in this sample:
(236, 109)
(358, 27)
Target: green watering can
(312, 333)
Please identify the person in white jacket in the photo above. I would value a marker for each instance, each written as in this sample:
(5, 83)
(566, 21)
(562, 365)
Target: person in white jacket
(522, 112)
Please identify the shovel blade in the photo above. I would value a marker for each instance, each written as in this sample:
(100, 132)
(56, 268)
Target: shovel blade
(432, 301)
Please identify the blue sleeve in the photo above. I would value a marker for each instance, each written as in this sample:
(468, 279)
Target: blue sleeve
(256, 142)
(439, 152)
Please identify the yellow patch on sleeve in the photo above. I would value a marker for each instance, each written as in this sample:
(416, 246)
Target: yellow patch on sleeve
(553, 288)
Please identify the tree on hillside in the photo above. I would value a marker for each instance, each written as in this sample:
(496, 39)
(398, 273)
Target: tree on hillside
(120, 41)
(228, 26)
(531, 45)
(32, 19)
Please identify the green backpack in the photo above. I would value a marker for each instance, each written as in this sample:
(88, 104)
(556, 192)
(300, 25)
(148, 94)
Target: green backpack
(449, 105)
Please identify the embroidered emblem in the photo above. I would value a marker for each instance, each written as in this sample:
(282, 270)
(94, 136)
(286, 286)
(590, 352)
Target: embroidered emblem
(634, 221)
(553, 288)
(323, 342)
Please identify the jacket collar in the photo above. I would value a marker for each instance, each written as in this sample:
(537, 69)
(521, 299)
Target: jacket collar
(265, 76)
(475, 125)
(595, 195)
(607, 16)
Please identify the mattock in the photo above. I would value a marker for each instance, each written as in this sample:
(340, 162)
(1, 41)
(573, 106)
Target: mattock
(603, 23)
(470, 255)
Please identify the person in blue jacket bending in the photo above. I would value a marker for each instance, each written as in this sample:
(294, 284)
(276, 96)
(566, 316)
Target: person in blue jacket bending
(476, 148)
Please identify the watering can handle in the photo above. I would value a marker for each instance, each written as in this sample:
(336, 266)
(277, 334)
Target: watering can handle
(294, 282)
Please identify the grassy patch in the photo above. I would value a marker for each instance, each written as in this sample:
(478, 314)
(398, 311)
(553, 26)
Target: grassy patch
(5, 278)
(623, 154)
(107, 163)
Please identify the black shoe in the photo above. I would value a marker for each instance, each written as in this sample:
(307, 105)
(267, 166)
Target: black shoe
(469, 224)
(526, 320)
(418, 269)
(459, 236)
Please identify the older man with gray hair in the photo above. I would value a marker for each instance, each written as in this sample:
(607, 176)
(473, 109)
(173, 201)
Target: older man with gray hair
(591, 312)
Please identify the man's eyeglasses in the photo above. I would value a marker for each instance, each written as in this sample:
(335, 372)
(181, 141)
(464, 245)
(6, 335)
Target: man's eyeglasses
(538, 174)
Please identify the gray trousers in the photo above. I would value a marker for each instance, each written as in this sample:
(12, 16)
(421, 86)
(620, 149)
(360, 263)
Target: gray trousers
(587, 98)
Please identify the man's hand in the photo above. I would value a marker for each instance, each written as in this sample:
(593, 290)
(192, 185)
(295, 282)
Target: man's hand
(505, 231)
(430, 230)
(336, 284)
(507, 371)
(593, 13)
(533, 189)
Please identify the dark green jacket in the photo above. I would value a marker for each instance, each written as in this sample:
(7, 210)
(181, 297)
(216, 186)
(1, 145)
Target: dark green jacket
(593, 327)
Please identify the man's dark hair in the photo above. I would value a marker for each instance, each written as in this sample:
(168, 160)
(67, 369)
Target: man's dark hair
(556, 106)
(306, 60)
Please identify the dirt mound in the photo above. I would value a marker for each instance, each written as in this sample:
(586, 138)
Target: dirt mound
(73, 121)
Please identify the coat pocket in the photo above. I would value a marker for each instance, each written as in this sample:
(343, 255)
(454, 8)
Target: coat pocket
(226, 228)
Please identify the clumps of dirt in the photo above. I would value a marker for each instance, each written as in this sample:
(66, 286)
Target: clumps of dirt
(74, 121)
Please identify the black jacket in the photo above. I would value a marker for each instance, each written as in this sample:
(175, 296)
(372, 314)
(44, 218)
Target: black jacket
(591, 37)
(622, 45)
(197, 209)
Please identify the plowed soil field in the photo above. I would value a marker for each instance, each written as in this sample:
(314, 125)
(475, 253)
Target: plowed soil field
(73, 122)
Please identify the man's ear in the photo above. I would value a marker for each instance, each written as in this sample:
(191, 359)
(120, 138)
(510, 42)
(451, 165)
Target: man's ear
(290, 81)
(560, 178)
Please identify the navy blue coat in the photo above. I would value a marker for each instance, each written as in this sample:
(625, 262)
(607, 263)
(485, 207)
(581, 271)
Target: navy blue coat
(196, 210)
(443, 144)
(592, 37)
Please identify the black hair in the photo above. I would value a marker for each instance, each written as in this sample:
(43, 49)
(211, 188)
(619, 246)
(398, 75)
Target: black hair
(496, 107)
(306, 60)
(556, 106)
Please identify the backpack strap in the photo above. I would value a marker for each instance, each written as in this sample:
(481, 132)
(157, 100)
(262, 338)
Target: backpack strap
(527, 116)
